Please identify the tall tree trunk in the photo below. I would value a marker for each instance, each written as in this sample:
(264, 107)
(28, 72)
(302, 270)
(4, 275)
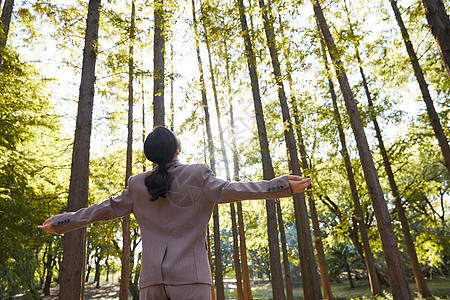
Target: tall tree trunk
(217, 251)
(246, 289)
(397, 276)
(172, 108)
(4, 26)
(311, 282)
(268, 172)
(375, 285)
(418, 275)
(439, 24)
(144, 135)
(158, 64)
(432, 114)
(74, 250)
(125, 271)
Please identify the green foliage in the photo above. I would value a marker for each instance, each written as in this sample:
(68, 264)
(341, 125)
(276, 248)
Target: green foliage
(29, 187)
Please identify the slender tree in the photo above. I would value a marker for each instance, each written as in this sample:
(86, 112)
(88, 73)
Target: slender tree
(4, 26)
(439, 24)
(74, 251)
(432, 114)
(158, 63)
(246, 289)
(126, 248)
(220, 290)
(326, 285)
(418, 275)
(237, 264)
(375, 285)
(310, 278)
(396, 272)
(268, 172)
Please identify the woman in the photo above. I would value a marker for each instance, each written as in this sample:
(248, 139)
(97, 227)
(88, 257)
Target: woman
(173, 204)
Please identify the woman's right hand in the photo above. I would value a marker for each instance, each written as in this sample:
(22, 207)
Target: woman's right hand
(298, 184)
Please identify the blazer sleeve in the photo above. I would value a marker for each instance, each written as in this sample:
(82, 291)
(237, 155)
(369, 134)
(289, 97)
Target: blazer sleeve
(221, 191)
(109, 209)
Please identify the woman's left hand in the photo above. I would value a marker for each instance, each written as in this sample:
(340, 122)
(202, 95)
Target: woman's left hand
(47, 226)
(298, 184)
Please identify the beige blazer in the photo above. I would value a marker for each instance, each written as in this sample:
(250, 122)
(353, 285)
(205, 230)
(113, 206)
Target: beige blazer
(173, 229)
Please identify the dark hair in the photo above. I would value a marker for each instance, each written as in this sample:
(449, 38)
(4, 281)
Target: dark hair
(159, 147)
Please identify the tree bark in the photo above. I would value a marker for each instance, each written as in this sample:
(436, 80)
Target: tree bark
(216, 226)
(268, 172)
(439, 24)
(158, 64)
(397, 276)
(74, 250)
(311, 282)
(375, 285)
(5, 22)
(432, 114)
(125, 271)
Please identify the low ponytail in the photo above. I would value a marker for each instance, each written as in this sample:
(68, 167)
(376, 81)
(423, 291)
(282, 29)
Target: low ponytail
(160, 147)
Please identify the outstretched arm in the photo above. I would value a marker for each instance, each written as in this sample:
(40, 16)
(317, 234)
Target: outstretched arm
(220, 191)
(109, 209)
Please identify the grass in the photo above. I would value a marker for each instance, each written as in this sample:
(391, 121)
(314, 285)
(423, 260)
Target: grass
(439, 288)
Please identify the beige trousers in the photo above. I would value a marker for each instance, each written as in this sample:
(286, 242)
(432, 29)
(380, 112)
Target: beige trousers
(176, 292)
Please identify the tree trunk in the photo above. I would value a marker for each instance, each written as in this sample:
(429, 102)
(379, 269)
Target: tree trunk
(158, 64)
(274, 248)
(97, 268)
(432, 114)
(208, 238)
(287, 268)
(396, 271)
(172, 107)
(349, 274)
(125, 271)
(49, 269)
(311, 282)
(5, 22)
(217, 251)
(74, 250)
(420, 280)
(439, 24)
(246, 289)
(375, 285)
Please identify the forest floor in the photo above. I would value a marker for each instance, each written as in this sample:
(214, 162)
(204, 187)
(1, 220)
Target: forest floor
(439, 287)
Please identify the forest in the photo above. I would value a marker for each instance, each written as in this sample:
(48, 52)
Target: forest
(354, 94)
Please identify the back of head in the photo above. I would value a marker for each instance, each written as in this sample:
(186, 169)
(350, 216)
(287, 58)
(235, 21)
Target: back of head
(160, 147)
